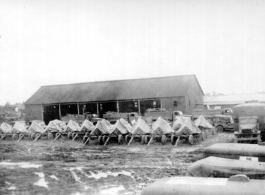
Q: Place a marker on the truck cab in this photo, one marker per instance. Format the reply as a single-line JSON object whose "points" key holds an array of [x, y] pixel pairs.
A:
{"points": [[248, 124], [248, 130]]}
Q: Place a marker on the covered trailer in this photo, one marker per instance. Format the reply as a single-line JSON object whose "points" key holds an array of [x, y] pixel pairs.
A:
{"points": [[5, 130], [36, 130], [119, 131], [161, 130]]}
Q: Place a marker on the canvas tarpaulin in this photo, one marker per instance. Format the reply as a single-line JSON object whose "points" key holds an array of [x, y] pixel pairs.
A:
{"points": [[103, 126], [5, 128], [202, 122], [188, 128], [19, 128], [121, 126], [36, 128], [160, 126], [222, 167], [61, 124], [53, 127], [141, 127], [87, 126], [179, 121], [72, 126]]}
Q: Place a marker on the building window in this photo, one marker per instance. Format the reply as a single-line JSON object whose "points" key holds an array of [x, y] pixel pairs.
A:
{"points": [[175, 103], [189, 102]]}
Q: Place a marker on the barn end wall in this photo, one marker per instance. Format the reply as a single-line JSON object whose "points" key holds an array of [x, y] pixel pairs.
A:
{"points": [[33, 112], [168, 103], [194, 96]]}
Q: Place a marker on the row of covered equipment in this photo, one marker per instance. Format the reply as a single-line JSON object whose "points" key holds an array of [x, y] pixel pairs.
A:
{"points": [[145, 130], [227, 168]]}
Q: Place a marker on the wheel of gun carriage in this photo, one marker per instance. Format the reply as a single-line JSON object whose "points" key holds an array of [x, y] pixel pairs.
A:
{"points": [[146, 139], [73, 134], [191, 139], [126, 139], [15, 136], [120, 139], [104, 138], [69, 135], [100, 140], [164, 139], [50, 136], [172, 138], [32, 136], [204, 135], [142, 139], [38, 135]]}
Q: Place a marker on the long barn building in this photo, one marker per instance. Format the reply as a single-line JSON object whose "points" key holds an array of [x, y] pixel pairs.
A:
{"points": [[137, 95]]}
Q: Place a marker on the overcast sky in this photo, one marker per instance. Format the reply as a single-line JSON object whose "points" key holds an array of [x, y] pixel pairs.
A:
{"points": [[59, 42]]}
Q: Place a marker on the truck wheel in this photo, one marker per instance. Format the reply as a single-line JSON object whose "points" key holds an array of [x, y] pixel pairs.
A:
{"points": [[164, 139], [191, 139], [219, 128]]}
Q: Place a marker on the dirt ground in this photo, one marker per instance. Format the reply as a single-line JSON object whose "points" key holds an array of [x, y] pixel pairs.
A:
{"points": [[66, 167]]}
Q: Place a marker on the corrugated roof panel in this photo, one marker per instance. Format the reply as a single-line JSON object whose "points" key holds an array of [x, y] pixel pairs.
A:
{"points": [[114, 90]]}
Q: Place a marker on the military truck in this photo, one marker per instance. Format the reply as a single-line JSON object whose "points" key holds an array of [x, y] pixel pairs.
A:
{"points": [[223, 122], [204, 110], [214, 116], [160, 112], [112, 117], [251, 109]]}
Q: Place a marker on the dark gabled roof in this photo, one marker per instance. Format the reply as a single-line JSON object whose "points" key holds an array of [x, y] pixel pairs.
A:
{"points": [[114, 90]]}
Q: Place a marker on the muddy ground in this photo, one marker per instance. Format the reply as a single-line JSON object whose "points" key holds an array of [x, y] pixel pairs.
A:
{"points": [[66, 167]]}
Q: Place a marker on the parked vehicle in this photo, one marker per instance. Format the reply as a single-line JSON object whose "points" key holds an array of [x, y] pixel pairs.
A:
{"points": [[248, 129], [165, 114], [223, 122], [206, 112], [113, 117], [251, 109]]}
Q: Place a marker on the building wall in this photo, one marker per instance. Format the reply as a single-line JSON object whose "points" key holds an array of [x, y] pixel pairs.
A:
{"points": [[194, 96], [33, 112], [168, 103]]}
